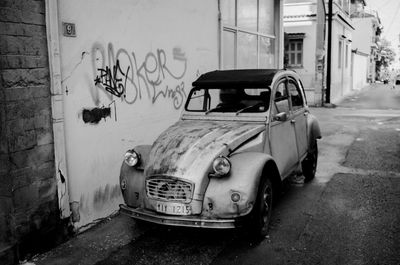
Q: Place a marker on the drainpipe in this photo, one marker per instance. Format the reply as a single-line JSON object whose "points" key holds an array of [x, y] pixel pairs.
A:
{"points": [[329, 59]]}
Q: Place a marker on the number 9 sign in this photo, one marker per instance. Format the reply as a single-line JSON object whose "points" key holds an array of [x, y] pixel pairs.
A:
{"points": [[69, 29]]}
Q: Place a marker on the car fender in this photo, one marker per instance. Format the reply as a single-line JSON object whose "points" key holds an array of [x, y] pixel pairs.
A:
{"points": [[246, 171], [132, 179], [314, 131]]}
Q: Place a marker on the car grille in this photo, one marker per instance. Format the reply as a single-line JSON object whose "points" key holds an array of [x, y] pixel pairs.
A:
{"points": [[169, 189]]}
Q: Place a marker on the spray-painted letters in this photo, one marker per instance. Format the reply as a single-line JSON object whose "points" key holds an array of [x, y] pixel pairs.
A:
{"points": [[124, 76]]}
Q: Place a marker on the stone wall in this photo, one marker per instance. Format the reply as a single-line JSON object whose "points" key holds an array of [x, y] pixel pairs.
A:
{"points": [[28, 192]]}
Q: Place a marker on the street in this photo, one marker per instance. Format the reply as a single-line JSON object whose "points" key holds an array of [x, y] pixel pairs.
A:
{"points": [[349, 214]]}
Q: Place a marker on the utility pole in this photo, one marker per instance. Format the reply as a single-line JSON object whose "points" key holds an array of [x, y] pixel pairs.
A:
{"points": [[329, 59]]}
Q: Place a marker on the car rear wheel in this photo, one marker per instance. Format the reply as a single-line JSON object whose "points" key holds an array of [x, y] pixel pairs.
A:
{"points": [[262, 209], [309, 164]]}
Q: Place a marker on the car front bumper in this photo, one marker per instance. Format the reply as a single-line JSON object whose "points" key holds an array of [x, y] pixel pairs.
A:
{"points": [[187, 221]]}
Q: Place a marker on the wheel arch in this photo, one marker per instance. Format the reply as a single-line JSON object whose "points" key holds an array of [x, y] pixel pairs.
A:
{"points": [[271, 171], [247, 170], [131, 179], [314, 131]]}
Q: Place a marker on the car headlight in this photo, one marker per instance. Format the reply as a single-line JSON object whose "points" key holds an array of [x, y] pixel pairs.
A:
{"points": [[132, 158], [221, 166]]}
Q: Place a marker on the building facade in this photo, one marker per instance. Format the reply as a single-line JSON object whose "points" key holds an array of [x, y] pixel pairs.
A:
{"points": [[365, 45], [304, 27], [84, 81], [341, 45]]}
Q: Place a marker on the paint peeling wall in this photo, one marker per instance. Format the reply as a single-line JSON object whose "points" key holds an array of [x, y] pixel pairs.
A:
{"points": [[125, 78]]}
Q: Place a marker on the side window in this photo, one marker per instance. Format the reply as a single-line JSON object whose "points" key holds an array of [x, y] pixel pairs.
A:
{"points": [[198, 100], [281, 99], [295, 95]]}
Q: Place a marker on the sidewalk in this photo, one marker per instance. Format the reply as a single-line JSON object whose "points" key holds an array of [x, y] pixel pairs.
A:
{"points": [[373, 96], [93, 245]]}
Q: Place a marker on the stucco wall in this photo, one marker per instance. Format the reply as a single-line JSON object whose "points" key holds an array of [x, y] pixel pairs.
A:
{"points": [[307, 72], [308, 17], [125, 76], [360, 63], [362, 35], [340, 77]]}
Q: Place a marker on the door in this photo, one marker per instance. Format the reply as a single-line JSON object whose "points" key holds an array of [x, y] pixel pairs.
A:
{"points": [[299, 116], [282, 135]]}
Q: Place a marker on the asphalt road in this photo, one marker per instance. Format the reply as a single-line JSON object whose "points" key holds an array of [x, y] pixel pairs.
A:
{"points": [[349, 214]]}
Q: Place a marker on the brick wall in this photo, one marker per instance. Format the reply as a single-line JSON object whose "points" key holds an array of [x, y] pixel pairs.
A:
{"points": [[28, 193]]}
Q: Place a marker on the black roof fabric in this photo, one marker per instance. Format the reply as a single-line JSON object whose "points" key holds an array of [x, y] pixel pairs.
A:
{"points": [[236, 78]]}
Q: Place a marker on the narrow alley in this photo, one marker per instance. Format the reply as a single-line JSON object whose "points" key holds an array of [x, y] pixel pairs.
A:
{"points": [[349, 214]]}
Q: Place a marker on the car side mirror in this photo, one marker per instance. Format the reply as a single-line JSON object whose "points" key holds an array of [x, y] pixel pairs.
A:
{"points": [[282, 116]]}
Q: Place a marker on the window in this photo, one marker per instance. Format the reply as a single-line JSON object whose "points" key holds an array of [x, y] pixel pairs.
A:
{"points": [[294, 52], [347, 56], [238, 99], [295, 95], [248, 34], [281, 99]]}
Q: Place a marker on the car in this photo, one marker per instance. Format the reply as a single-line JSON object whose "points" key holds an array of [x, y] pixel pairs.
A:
{"points": [[221, 165]]}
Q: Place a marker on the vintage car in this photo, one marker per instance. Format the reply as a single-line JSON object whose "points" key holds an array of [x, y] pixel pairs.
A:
{"points": [[241, 133]]}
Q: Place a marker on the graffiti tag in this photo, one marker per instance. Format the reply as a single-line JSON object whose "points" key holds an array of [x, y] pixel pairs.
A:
{"points": [[122, 75], [113, 80]]}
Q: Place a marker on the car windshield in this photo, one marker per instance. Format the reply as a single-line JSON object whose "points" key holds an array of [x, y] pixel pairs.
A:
{"points": [[237, 100]]}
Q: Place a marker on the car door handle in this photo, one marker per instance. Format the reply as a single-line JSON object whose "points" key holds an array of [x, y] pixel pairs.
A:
{"points": [[292, 121]]}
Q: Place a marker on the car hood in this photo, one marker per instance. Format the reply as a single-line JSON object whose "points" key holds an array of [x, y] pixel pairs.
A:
{"points": [[188, 148]]}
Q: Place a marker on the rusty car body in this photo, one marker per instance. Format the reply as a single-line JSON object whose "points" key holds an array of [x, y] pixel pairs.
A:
{"points": [[242, 132]]}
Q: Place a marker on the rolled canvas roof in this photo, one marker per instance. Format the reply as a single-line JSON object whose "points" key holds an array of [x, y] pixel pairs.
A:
{"points": [[236, 78]]}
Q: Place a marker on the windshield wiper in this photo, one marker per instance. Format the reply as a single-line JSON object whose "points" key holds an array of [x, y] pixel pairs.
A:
{"points": [[249, 107], [210, 110]]}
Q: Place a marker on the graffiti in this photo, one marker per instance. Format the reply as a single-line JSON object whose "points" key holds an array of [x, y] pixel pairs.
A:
{"points": [[176, 94], [123, 75], [95, 115], [111, 81]]}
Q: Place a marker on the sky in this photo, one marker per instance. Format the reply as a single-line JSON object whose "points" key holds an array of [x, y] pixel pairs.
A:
{"points": [[389, 13]]}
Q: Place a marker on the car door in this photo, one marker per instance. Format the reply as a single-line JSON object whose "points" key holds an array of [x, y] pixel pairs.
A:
{"points": [[298, 116], [282, 138]]}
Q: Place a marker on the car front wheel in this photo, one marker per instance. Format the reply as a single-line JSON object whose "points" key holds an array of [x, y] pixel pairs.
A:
{"points": [[309, 164], [262, 209]]}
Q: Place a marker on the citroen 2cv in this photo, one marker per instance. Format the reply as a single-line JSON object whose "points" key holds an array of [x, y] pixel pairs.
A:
{"points": [[241, 133]]}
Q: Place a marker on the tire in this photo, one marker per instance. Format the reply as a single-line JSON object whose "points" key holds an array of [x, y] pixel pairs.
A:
{"points": [[261, 214], [309, 164]]}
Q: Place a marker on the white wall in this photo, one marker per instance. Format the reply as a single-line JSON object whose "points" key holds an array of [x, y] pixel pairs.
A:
{"points": [[360, 63], [340, 77], [362, 35], [161, 47]]}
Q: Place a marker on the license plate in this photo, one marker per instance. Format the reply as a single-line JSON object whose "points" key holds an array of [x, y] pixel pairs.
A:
{"points": [[174, 208]]}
